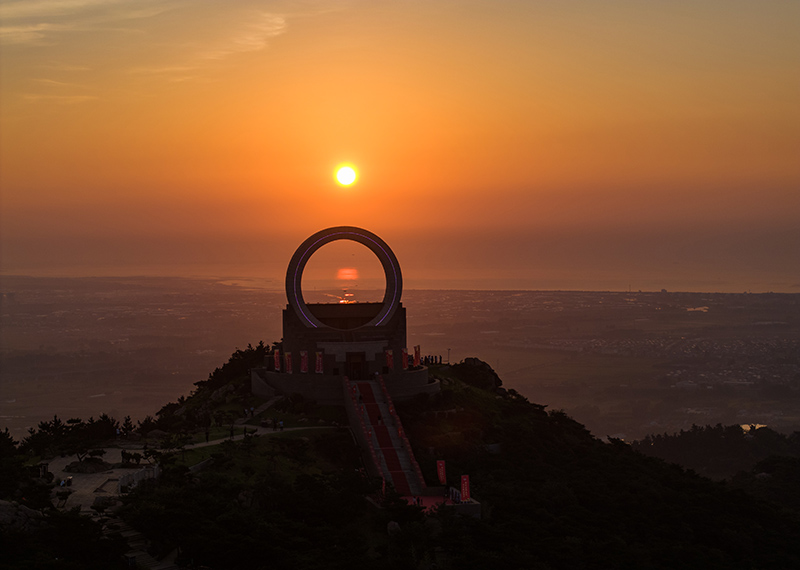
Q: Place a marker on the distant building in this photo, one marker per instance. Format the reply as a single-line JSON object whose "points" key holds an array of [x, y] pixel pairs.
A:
{"points": [[325, 342]]}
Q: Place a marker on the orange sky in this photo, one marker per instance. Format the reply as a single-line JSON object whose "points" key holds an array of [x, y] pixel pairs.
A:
{"points": [[525, 144]]}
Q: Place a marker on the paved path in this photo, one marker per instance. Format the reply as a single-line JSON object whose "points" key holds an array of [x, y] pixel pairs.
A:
{"points": [[86, 487], [262, 408]]}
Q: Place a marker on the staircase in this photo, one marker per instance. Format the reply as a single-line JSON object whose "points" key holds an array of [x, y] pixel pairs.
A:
{"points": [[381, 427]]}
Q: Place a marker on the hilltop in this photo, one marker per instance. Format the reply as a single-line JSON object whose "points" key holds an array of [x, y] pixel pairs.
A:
{"points": [[552, 495]]}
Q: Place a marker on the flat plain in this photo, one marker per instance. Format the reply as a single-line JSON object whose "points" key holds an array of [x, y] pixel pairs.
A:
{"points": [[623, 363]]}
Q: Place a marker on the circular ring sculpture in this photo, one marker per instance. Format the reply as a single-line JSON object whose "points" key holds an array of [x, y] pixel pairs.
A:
{"points": [[294, 274]]}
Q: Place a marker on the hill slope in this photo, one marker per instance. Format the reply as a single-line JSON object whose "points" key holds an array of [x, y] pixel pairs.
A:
{"points": [[553, 496]]}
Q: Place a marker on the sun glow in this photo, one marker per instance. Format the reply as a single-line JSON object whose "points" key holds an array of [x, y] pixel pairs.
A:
{"points": [[346, 175], [347, 274]]}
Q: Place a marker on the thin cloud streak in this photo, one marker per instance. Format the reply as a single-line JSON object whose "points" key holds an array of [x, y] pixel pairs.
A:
{"points": [[60, 99], [249, 37], [47, 9], [253, 37], [53, 23], [65, 67], [54, 83], [38, 23], [30, 34]]}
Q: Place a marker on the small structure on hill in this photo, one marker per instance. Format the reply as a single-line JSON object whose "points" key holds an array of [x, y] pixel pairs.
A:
{"points": [[324, 343]]}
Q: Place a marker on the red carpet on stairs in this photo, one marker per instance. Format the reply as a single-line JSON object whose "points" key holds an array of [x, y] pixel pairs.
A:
{"points": [[366, 392], [392, 461], [368, 398], [374, 413], [399, 479], [400, 483], [382, 433]]}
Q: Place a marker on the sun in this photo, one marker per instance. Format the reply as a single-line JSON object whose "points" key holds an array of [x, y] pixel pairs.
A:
{"points": [[346, 175]]}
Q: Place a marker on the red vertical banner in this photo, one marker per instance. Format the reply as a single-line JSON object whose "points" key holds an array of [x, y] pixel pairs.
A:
{"points": [[304, 361], [440, 471], [416, 355], [404, 361], [318, 367], [288, 358], [465, 487], [389, 359], [277, 356]]}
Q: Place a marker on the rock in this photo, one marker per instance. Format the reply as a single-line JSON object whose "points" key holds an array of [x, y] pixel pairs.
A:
{"points": [[478, 373], [90, 465], [220, 392], [19, 517], [103, 502], [157, 434]]}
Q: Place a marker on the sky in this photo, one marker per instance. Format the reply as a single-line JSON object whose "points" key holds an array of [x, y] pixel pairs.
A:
{"points": [[606, 145]]}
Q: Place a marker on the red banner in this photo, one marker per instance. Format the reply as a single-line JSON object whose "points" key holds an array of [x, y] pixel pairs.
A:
{"points": [[318, 368], [441, 472], [405, 359], [277, 357], [389, 359], [304, 361], [465, 487], [416, 355], [288, 358]]}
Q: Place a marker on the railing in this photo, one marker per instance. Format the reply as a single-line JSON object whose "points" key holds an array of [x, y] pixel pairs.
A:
{"points": [[352, 392], [401, 433]]}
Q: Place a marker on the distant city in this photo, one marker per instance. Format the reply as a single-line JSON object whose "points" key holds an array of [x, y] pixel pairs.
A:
{"points": [[625, 364]]}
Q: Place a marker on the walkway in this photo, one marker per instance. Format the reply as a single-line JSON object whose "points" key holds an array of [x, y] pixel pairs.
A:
{"points": [[262, 408], [87, 487]]}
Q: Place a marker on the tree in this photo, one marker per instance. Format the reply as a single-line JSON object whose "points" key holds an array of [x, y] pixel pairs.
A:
{"points": [[8, 447], [11, 470], [127, 426], [146, 425]]}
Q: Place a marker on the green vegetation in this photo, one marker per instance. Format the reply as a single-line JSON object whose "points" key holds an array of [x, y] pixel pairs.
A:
{"points": [[35, 535], [552, 495], [555, 497], [60, 541], [73, 437], [278, 502], [758, 460], [720, 451]]}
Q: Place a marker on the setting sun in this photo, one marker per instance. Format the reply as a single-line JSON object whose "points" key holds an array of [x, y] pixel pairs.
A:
{"points": [[346, 175]]}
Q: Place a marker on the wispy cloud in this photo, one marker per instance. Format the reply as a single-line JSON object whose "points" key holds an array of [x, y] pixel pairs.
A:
{"points": [[60, 99], [54, 83], [114, 9], [38, 21], [46, 8], [171, 73], [246, 33], [65, 67], [251, 37], [27, 34], [169, 39]]}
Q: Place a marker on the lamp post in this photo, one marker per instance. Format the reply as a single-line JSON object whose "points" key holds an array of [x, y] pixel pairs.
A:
{"points": [[448, 356]]}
